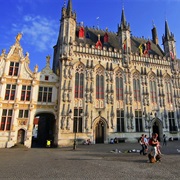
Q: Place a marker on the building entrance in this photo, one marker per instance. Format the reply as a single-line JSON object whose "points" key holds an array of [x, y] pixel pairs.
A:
{"points": [[157, 128], [99, 132], [43, 130], [20, 137]]}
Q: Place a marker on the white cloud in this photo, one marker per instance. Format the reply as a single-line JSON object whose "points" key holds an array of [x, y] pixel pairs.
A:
{"points": [[20, 9], [27, 18], [39, 32]]}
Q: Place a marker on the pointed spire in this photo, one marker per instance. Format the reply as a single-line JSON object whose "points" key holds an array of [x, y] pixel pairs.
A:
{"points": [[167, 31], [154, 34], [167, 36], [124, 25], [69, 7], [68, 12], [123, 18]]}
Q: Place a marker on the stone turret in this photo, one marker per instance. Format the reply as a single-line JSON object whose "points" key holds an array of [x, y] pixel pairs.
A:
{"points": [[63, 48], [154, 35], [124, 34], [169, 43]]}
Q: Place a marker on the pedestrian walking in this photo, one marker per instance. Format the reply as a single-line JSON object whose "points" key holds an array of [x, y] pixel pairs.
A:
{"points": [[141, 142], [164, 140], [145, 144], [154, 143]]}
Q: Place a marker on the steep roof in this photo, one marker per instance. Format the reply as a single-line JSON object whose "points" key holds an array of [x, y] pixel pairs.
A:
{"points": [[91, 38]]}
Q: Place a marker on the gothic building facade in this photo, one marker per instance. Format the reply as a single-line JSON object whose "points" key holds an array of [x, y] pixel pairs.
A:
{"points": [[102, 85]]}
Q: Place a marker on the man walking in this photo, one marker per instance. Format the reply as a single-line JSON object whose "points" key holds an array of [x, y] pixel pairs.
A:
{"points": [[141, 141]]}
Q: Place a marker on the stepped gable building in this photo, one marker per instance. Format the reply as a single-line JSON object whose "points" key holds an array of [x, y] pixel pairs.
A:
{"points": [[25, 95], [102, 85]]}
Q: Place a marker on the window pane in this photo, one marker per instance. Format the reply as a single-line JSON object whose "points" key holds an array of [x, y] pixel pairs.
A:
{"points": [[3, 120], [26, 114], [8, 124], [4, 112], [20, 113]]}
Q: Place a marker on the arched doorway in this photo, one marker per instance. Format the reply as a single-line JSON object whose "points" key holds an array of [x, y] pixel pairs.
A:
{"points": [[99, 132], [157, 128], [20, 136], [43, 130]]}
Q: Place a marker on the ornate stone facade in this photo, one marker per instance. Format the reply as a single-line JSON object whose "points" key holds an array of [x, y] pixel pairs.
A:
{"points": [[120, 85], [103, 85]]}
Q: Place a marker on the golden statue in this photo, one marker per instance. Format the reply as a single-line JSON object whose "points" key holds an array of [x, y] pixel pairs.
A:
{"points": [[18, 37]]}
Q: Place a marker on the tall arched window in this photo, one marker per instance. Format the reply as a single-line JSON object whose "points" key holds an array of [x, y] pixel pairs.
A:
{"points": [[120, 121], [172, 124], [79, 82], [153, 89], [138, 121], [77, 123], [99, 88], [168, 91], [119, 86], [100, 83], [136, 87]]}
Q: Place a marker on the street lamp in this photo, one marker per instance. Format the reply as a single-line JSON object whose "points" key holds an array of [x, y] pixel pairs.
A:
{"points": [[75, 131], [74, 144]]}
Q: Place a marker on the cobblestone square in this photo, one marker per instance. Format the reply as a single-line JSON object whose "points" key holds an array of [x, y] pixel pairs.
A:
{"points": [[88, 162]]}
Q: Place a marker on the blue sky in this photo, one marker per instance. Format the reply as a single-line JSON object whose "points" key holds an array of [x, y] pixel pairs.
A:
{"points": [[38, 20]]}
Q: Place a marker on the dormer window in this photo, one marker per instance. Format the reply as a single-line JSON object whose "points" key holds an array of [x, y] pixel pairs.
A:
{"points": [[81, 32], [99, 44], [46, 78], [13, 68], [87, 35], [106, 38]]}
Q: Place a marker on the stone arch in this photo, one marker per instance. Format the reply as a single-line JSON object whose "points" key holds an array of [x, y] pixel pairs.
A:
{"points": [[103, 119], [166, 76], [118, 71], [78, 63], [79, 67], [157, 127], [99, 66], [43, 129], [21, 136], [100, 126], [151, 74], [135, 72]]}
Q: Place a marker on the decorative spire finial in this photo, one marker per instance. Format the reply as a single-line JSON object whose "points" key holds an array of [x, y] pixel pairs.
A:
{"points": [[97, 22], [48, 60], [64, 3], [167, 31], [36, 68], [99, 37], [82, 23], [18, 37]]}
